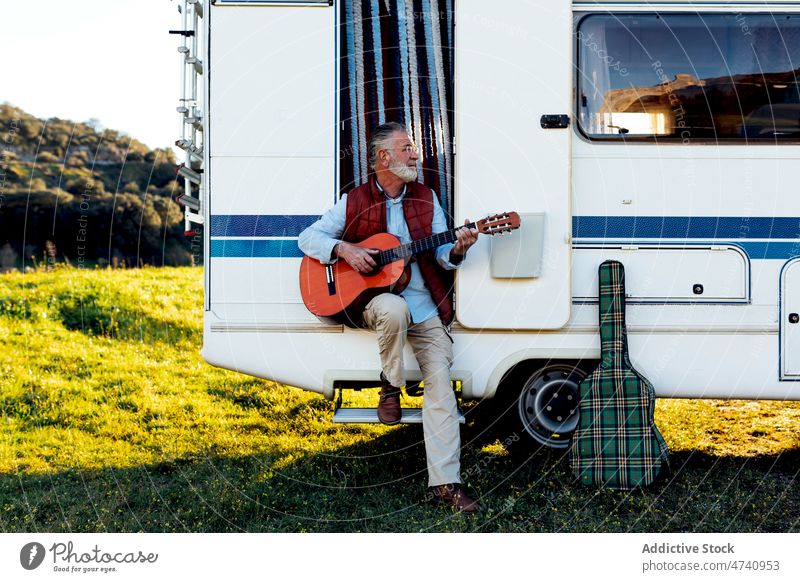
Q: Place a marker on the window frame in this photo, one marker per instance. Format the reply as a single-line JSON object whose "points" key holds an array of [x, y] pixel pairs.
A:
{"points": [[677, 140]]}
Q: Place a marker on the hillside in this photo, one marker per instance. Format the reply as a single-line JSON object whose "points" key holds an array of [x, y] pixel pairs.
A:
{"points": [[75, 192]]}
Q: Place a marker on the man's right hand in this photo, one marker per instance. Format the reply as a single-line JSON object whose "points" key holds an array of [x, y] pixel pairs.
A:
{"points": [[359, 258]]}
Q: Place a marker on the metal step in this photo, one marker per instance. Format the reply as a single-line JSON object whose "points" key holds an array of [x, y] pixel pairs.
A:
{"points": [[196, 63], [190, 174], [196, 218], [370, 416], [190, 202], [198, 7]]}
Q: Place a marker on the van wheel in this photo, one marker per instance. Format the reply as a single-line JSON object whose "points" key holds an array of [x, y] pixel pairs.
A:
{"points": [[546, 411]]}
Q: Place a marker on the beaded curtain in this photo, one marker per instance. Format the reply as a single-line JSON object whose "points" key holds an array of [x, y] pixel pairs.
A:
{"points": [[397, 65]]}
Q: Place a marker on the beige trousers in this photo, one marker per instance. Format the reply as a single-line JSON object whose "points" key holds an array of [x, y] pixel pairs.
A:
{"points": [[389, 317]]}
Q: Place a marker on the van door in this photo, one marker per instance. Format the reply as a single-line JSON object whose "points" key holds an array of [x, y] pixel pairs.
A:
{"points": [[790, 320], [272, 106], [513, 108]]}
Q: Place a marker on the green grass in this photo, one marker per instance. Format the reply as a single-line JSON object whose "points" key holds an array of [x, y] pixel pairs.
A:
{"points": [[112, 422]]}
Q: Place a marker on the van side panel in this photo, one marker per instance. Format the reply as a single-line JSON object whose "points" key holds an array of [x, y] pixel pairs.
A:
{"points": [[272, 170]]}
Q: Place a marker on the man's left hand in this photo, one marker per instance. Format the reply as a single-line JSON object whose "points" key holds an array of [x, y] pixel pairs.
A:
{"points": [[465, 238]]}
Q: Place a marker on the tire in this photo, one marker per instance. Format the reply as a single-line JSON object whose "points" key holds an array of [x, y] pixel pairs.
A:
{"points": [[539, 405]]}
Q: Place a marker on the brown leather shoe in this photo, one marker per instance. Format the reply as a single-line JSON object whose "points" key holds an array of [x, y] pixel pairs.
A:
{"points": [[389, 403], [452, 495]]}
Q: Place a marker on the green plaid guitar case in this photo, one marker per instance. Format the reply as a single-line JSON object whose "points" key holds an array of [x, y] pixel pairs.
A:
{"points": [[617, 444]]}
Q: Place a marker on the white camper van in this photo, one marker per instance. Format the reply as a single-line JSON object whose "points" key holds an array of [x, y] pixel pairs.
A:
{"points": [[665, 135]]}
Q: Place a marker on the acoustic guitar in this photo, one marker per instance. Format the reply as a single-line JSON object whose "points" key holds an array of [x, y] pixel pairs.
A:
{"points": [[337, 293]]}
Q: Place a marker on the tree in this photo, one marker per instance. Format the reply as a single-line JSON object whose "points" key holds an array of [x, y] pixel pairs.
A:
{"points": [[131, 187], [47, 158], [37, 185], [94, 124], [30, 129], [78, 159], [85, 185], [163, 156]]}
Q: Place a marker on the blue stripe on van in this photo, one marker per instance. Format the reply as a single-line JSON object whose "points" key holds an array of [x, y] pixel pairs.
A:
{"points": [[705, 227], [260, 224], [283, 249], [770, 250], [288, 249], [734, 230]]}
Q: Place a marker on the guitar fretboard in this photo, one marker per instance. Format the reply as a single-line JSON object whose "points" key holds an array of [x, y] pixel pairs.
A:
{"points": [[419, 246]]}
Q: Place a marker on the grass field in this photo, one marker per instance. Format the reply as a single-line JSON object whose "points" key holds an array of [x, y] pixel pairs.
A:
{"points": [[112, 423]]}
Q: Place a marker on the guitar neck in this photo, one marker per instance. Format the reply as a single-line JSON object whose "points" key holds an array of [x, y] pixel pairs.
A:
{"points": [[406, 251]]}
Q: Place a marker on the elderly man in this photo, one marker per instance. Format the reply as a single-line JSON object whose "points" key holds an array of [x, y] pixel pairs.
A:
{"points": [[393, 201]]}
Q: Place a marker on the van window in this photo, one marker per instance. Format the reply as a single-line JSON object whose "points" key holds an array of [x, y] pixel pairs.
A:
{"points": [[689, 77]]}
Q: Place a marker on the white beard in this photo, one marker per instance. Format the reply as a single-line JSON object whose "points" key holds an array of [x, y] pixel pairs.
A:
{"points": [[405, 173]]}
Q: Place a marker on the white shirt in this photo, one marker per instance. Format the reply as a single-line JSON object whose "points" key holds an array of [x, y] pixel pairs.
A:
{"points": [[318, 240]]}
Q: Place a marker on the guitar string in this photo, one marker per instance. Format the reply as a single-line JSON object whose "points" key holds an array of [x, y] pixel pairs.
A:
{"points": [[435, 240], [418, 246]]}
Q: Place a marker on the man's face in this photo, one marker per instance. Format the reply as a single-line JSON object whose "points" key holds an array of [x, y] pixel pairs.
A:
{"points": [[401, 158]]}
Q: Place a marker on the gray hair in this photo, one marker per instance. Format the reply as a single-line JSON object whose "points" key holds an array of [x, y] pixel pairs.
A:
{"points": [[381, 139]]}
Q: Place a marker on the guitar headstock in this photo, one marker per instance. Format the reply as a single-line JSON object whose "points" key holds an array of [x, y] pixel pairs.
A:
{"points": [[498, 223]]}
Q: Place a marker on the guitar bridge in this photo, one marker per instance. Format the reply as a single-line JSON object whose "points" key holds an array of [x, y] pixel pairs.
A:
{"points": [[329, 275]]}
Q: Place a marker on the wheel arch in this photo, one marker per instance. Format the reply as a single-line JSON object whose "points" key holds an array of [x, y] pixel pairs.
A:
{"points": [[531, 357]]}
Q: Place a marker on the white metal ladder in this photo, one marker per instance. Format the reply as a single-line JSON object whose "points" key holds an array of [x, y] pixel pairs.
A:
{"points": [[190, 110]]}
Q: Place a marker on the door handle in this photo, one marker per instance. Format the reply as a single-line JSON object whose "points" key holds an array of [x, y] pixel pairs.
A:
{"points": [[554, 121]]}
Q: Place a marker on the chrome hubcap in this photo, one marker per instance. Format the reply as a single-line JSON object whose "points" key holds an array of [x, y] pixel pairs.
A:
{"points": [[548, 405]]}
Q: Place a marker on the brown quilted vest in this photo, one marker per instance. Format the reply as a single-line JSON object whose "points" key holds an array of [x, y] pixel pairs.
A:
{"points": [[366, 216]]}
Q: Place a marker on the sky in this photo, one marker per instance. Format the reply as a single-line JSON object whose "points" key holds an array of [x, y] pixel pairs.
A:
{"points": [[107, 59]]}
